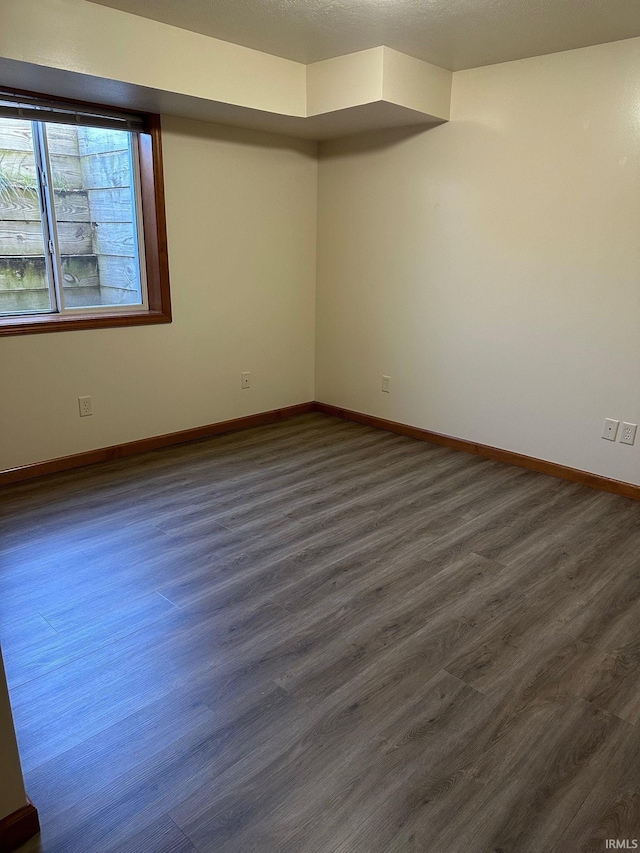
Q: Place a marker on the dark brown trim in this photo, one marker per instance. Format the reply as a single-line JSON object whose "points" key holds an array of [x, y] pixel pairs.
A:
{"points": [[57, 323], [18, 827], [132, 448], [594, 481], [156, 254], [155, 219]]}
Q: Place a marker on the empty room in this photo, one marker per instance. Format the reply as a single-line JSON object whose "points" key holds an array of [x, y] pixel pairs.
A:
{"points": [[319, 393]]}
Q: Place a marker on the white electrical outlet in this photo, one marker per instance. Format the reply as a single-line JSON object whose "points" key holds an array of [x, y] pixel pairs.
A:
{"points": [[245, 381], [386, 384], [628, 435], [84, 404]]}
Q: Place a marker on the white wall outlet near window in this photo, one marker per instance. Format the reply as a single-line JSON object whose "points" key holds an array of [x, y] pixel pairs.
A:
{"points": [[386, 384], [84, 404], [245, 380], [628, 435], [610, 429]]}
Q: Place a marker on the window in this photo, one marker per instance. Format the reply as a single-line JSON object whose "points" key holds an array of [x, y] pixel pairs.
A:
{"points": [[82, 233]]}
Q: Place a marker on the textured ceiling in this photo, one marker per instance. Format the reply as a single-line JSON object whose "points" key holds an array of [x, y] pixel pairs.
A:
{"points": [[454, 34]]}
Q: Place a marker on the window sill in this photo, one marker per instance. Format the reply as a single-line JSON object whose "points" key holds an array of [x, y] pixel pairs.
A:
{"points": [[58, 323]]}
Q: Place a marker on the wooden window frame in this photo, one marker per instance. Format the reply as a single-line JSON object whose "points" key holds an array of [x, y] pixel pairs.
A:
{"points": [[154, 226]]}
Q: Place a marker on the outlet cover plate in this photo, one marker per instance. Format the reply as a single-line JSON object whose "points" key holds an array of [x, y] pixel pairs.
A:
{"points": [[628, 433], [84, 404], [610, 429]]}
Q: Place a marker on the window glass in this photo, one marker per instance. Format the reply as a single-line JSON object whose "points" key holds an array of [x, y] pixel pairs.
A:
{"points": [[94, 190], [24, 261], [70, 224]]}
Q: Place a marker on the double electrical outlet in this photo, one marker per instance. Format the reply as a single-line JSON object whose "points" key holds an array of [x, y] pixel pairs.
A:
{"points": [[627, 435], [85, 407]]}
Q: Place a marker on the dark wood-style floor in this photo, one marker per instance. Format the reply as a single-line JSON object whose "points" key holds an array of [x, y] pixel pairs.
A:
{"points": [[319, 637]]}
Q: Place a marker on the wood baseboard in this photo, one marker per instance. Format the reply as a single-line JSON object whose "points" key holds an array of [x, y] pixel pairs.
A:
{"points": [[594, 481], [18, 827], [133, 448]]}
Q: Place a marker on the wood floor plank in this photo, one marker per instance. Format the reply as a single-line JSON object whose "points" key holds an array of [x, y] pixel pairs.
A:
{"points": [[161, 836], [251, 810], [611, 809]]}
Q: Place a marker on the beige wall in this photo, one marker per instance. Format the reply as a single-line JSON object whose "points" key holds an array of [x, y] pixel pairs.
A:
{"points": [[12, 793], [110, 45], [241, 210], [491, 266], [343, 82]]}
